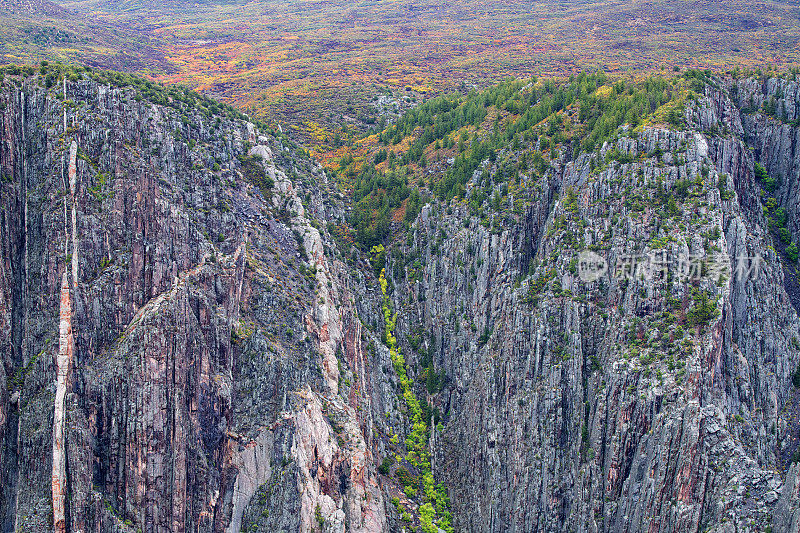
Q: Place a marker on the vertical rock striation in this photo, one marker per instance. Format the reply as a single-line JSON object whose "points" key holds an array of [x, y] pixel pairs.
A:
{"points": [[174, 322], [186, 347], [613, 403]]}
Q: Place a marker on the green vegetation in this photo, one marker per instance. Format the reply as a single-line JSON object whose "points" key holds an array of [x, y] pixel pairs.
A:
{"points": [[517, 128], [777, 217], [704, 310], [386, 465], [253, 171], [436, 502], [768, 183], [377, 258], [376, 195], [792, 252]]}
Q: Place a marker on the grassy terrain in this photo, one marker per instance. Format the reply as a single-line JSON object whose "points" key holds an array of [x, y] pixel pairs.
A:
{"points": [[35, 30], [318, 65]]}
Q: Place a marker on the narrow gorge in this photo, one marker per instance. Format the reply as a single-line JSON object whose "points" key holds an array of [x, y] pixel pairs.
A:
{"points": [[603, 341]]}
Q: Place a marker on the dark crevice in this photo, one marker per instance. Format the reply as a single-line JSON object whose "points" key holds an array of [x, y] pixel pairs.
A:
{"points": [[13, 225]]}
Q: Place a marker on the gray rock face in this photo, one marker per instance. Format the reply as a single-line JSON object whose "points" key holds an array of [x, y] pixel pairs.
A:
{"points": [[602, 404], [186, 349], [204, 324]]}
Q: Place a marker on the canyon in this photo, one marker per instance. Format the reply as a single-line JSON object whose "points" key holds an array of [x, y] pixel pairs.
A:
{"points": [[188, 346]]}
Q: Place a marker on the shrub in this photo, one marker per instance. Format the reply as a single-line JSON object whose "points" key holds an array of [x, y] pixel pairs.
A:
{"points": [[780, 217], [386, 465], [682, 188], [770, 184], [724, 192], [767, 182], [253, 171], [704, 309], [484, 338], [792, 252], [377, 258], [760, 172], [405, 478], [426, 515]]}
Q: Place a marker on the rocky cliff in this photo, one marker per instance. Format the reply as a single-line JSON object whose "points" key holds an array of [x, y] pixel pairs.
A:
{"points": [[188, 344], [176, 326], [618, 336]]}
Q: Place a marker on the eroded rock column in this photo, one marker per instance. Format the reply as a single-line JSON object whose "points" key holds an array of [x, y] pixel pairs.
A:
{"points": [[66, 347]]}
